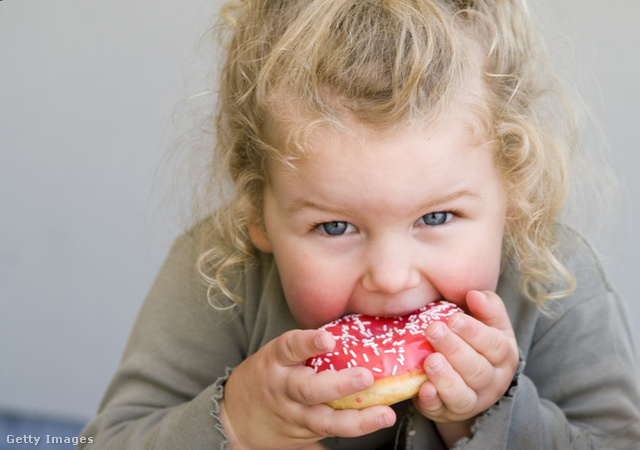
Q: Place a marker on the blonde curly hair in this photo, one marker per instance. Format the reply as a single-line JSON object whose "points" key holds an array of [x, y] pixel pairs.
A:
{"points": [[389, 63]]}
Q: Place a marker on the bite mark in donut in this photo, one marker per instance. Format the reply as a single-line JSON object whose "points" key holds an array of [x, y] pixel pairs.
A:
{"points": [[392, 348]]}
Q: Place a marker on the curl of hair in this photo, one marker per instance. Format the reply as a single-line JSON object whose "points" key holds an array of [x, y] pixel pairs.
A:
{"points": [[388, 63]]}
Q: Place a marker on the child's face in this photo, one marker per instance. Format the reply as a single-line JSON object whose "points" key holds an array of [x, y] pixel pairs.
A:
{"points": [[383, 226]]}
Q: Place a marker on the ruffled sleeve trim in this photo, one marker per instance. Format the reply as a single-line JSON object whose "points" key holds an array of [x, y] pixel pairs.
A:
{"points": [[502, 408], [217, 396]]}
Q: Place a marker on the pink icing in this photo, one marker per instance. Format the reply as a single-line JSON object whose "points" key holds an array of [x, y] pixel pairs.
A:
{"points": [[385, 345]]}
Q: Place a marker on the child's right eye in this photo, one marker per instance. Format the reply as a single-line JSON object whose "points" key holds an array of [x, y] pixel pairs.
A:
{"points": [[335, 228]]}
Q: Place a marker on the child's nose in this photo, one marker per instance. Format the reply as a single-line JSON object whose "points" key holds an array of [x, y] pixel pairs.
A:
{"points": [[390, 268]]}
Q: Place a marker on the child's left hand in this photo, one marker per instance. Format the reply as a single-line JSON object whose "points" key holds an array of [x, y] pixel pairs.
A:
{"points": [[475, 361]]}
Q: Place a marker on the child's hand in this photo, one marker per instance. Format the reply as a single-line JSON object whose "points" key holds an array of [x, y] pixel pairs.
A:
{"points": [[475, 361], [272, 400]]}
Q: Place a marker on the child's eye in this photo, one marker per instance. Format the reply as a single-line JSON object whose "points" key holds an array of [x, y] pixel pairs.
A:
{"points": [[436, 218], [335, 228]]}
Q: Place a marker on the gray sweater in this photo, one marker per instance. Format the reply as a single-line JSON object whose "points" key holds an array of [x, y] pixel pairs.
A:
{"points": [[577, 385]]}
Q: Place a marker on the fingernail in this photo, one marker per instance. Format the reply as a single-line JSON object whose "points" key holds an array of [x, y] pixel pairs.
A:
{"points": [[324, 341], [384, 421], [436, 332], [361, 382], [456, 322], [430, 395], [437, 366]]}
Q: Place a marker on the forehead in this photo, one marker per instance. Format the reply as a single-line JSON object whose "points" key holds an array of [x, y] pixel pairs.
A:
{"points": [[295, 127], [295, 139], [403, 154]]}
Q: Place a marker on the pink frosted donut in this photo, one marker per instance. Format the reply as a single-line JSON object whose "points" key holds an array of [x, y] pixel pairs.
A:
{"points": [[392, 348]]}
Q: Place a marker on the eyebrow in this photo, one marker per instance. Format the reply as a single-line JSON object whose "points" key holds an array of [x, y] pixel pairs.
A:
{"points": [[447, 198], [301, 204]]}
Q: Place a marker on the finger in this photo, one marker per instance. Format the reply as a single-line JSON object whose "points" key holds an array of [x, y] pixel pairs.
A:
{"points": [[325, 421], [453, 391], [308, 388], [296, 346], [428, 402], [495, 345], [488, 308], [473, 367]]}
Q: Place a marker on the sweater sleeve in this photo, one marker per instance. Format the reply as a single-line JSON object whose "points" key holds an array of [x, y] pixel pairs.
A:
{"points": [[577, 385], [579, 388], [165, 392]]}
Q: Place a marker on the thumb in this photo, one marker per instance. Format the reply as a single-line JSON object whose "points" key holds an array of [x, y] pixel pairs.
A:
{"points": [[488, 308], [296, 346]]}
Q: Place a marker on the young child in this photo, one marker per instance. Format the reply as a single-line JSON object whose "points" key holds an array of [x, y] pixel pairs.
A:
{"points": [[382, 154]]}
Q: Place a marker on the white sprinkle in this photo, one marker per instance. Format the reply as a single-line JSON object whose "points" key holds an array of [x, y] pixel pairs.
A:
{"points": [[375, 369], [366, 358], [354, 363], [395, 368], [353, 353], [327, 360], [331, 367]]}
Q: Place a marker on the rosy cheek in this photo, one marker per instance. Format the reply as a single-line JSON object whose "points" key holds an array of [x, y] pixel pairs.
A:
{"points": [[313, 312], [314, 302], [472, 277]]}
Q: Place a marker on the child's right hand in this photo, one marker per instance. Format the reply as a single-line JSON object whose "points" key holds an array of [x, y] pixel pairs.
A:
{"points": [[271, 400]]}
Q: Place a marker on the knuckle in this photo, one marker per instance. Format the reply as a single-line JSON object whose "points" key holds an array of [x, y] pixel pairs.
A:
{"points": [[466, 405], [448, 388], [367, 426], [498, 347], [342, 391], [305, 394], [287, 347], [472, 331], [480, 376], [343, 384], [455, 348], [434, 410], [324, 427]]}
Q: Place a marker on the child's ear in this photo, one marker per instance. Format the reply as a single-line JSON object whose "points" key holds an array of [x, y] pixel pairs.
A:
{"points": [[260, 239]]}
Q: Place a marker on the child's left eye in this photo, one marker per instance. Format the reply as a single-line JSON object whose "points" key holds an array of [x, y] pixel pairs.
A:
{"points": [[335, 228], [436, 218]]}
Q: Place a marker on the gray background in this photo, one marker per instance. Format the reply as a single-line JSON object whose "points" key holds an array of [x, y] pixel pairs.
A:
{"points": [[87, 94]]}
